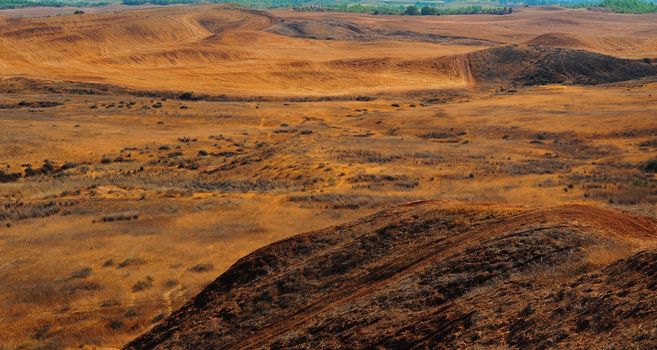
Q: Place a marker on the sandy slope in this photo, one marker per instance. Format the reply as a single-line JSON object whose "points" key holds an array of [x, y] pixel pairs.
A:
{"points": [[219, 50], [209, 49], [608, 33]]}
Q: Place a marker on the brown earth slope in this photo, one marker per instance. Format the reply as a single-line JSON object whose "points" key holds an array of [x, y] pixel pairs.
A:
{"points": [[539, 65], [437, 275]]}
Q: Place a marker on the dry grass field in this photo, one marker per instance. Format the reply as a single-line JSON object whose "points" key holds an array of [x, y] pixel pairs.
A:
{"points": [[143, 152]]}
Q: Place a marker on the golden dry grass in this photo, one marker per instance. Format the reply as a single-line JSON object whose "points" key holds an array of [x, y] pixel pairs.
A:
{"points": [[217, 50], [94, 254]]}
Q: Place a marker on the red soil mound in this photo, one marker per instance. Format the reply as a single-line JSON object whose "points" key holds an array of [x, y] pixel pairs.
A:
{"points": [[433, 275]]}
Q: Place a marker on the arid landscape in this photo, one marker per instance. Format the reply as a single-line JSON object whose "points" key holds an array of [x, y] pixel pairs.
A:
{"points": [[467, 181]]}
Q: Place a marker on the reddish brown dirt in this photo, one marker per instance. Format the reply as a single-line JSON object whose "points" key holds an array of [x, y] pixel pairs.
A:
{"points": [[416, 275]]}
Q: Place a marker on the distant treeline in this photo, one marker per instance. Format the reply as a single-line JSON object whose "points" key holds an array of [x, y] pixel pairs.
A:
{"points": [[398, 7], [347, 6], [620, 6], [158, 2], [353, 8], [411, 10], [12, 4], [246, 3]]}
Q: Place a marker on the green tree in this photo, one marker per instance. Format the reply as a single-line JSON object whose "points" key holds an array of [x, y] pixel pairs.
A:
{"points": [[411, 10], [426, 11]]}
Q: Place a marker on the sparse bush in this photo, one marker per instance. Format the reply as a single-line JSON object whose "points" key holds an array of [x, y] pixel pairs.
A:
{"points": [[115, 324], [401, 182], [649, 143], [9, 177], [199, 268], [131, 312], [284, 130], [170, 283], [42, 331], [336, 201], [366, 156], [159, 317], [188, 96], [434, 135], [143, 284], [130, 262], [82, 273], [81, 286], [119, 217], [109, 303], [24, 211], [68, 165], [650, 166], [46, 169]]}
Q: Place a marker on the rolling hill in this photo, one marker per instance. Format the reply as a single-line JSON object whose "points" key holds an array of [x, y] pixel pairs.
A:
{"points": [[437, 275], [225, 50]]}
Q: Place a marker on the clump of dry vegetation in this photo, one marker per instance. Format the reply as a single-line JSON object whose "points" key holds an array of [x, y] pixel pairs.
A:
{"points": [[203, 267], [143, 284], [118, 217]]}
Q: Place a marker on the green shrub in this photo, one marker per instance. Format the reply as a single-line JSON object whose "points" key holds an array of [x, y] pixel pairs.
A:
{"points": [[411, 10]]}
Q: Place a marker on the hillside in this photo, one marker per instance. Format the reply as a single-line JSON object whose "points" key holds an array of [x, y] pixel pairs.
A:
{"points": [[435, 275], [219, 49], [540, 65]]}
